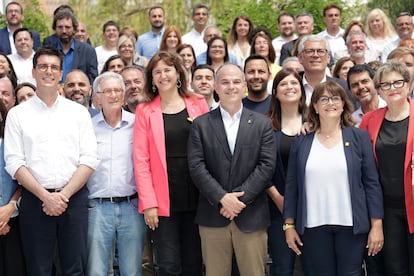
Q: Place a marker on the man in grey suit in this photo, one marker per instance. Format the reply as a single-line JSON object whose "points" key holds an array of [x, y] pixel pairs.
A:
{"points": [[231, 155]]}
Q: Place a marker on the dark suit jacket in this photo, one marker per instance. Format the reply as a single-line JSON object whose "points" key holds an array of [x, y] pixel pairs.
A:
{"points": [[85, 60], [215, 171], [5, 43], [52, 40], [365, 188], [286, 50]]}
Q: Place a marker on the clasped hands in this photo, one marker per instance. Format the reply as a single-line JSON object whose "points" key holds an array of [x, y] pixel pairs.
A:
{"points": [[231, 205], [55, 204]]}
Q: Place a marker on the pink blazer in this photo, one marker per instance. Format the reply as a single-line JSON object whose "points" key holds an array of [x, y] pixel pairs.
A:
{"points": [[372, 122], [150, 163]]}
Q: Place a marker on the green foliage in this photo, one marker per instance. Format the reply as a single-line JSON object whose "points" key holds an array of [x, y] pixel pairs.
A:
{"points": [[392, 8], [35, 18]]}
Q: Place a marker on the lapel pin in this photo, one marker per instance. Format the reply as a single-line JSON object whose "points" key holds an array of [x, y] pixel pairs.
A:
{"points": [[347, 144], [249, 121]]}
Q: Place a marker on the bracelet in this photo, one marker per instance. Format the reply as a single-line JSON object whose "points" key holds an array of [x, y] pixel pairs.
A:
{"points": [[287, 226]]}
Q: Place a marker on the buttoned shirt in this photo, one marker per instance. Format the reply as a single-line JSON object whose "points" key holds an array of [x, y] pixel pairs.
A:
{"points": [[278, 43], [51, 142], [11, 41], [23, 68], [309, 89], [231, 125], [149, 43], [195, 39], [336, 42], [67, 58], [114, 176]]}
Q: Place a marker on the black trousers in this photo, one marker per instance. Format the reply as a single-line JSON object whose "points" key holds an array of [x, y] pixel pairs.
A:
{"points": [[11, 255]]}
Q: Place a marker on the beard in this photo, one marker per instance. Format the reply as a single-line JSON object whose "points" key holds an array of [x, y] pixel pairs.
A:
{"points": [[257, 92], [66, 40]]}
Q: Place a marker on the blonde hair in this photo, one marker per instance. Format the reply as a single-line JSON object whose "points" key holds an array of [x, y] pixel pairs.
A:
{"points": [[388, 32]]}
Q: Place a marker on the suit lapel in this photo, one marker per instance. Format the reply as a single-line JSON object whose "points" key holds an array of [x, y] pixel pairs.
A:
{"points": [[75, 61], [217, 127], [157, 125], [349, 145], [246, 123]]}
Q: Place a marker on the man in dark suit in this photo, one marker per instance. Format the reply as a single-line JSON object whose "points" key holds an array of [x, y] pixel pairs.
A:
{"points": [[231, 155], [77, 55], [14, 18]]}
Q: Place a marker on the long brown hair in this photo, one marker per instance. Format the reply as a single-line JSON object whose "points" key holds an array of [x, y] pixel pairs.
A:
{"points": [[171, 60], [275, 111]]}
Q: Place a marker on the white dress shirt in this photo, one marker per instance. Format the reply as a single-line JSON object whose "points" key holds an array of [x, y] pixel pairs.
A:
{"points": [[114, 176], [231, 125], [195, 39], [23, 68], [50, 142]]}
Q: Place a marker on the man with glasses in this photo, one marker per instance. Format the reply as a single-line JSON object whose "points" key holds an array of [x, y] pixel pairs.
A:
{"points": [[404, 27], [134, 80], [14, 18], [314, 55], [51, 150], [113, 199]]}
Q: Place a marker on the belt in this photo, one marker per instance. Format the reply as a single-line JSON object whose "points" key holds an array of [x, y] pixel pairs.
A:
{"points": [[116, 199], [54, 190]]}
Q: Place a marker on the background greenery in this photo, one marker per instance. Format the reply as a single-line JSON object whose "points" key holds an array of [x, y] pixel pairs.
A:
{"points": [[264, 13]]}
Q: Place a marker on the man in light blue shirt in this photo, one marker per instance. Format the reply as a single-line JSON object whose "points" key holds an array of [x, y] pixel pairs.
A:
{"points": [[149, 43], [113, 200]]}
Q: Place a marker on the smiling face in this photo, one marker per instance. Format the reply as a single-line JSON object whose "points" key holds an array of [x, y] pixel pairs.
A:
{"points": [[77, 88], [304, 25], [376, 25], [165, 77], [111, 96], [286, 26], [404, 26], [261, 46], [47, 72], [24, 93], [6, 93], [156, 18], [217, 50], [126, 49], [257, 76], [172, 40], [242, 28], [330, 110], [203, 82], [188, 58], [357, 45], [111, 34], [23, 43], [314, 62], [14, 15], [230, 85], [288, 90], [332, 18], [393, 95], [4, 65], [200, 18], [362, 87], [343, 72]]}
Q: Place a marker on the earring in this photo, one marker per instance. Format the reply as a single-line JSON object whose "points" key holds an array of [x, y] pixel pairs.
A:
{"points": [[154, 89], [179, 84]]}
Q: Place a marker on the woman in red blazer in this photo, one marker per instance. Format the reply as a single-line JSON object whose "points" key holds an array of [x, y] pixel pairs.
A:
{"points": [[167, 196], [391, 130]]}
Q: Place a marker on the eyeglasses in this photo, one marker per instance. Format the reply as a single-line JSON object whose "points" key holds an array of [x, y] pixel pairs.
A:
{"points": [[13, 11], [324, 100], [109, 91], [45, 67], [387, 85], [311, 52]]}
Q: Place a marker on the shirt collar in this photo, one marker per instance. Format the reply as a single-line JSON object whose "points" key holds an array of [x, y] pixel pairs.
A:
{"points": [[226, 115]]}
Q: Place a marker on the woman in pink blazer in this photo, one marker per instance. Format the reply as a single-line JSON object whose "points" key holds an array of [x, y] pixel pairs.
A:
{"points": [[167, 196], [391, 130]]}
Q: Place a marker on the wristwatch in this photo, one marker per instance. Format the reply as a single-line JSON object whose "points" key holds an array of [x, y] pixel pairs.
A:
{"points": [[287, 226], [14, 202]]}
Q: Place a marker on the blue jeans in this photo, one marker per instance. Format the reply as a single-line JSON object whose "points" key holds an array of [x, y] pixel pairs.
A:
{"points": [[120, 222]]}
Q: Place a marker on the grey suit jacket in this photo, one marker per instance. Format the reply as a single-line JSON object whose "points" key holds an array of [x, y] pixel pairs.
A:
{"points": [[215, 171]]}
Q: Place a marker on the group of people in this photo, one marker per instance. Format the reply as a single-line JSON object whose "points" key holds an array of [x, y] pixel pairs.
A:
{"points": [[215, 154]]}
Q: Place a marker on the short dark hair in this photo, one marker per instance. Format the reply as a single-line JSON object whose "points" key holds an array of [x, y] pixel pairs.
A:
{"points": [[256, 57], [21, 30], [154, 8], [331, 6], [284, 14], [15, 3], [200, 67], [134, 67], [63, 7], [48, 51], [360, 68], [110, 23], [200, 6], [65, 14]]}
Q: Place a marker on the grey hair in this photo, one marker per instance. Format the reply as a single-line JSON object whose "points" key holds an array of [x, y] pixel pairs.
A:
{"points": [[107, 75], [312, 38], [216, 76], [348, 37]]}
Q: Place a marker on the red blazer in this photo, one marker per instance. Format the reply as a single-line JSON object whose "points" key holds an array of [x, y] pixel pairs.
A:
{"points": [[372, 122], [150, 163]]}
